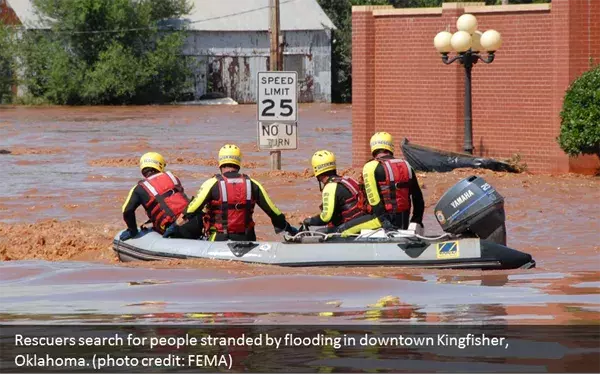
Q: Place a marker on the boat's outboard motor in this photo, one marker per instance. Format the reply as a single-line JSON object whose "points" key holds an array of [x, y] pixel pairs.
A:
{"points": [[473, 207]]}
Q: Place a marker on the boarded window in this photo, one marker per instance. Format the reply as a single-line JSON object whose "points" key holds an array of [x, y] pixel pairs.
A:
{"points": [[294, 63]]}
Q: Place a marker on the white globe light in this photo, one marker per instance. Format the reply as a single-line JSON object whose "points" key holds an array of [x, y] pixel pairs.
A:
{"points": [[467, 22], [461, 41], [442, 42], [476, 44], [491, 40]]}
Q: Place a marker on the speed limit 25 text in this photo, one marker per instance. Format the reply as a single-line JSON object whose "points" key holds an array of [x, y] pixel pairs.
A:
{"points": [[284, 104]]}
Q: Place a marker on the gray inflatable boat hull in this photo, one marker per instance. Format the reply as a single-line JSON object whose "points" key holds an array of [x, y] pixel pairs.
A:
{"points": [[462, 253]]}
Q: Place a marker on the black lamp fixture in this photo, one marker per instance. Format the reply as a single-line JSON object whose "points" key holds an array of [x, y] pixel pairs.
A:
{"points": [[467, 43]]}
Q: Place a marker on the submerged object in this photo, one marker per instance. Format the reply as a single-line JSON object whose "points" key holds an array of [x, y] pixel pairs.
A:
{"points": [[210, 98], [223, 101], [471, 214], [423, 158]]}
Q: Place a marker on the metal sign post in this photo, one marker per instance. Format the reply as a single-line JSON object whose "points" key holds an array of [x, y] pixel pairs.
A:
{"points": [[277, 111]]}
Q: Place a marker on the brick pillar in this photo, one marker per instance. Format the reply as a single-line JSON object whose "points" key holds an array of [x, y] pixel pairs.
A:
{"points": [[363, 87], [560, 51]]}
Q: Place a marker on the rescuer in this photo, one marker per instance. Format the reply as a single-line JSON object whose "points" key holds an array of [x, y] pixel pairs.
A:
{"points": [[390, 185], [230, 198], [344, 207], [162, 196]]}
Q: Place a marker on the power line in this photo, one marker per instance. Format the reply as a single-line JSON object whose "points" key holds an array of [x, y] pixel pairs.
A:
{"points": [[114, 31]]}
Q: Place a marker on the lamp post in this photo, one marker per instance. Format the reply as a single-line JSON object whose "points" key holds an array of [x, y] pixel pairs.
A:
{"points": [[467, 42]]}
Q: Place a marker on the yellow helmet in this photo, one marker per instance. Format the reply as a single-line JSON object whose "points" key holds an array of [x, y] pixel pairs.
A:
{"points": [[230, 154], [382, 140], [323, 161], [153, 160]]}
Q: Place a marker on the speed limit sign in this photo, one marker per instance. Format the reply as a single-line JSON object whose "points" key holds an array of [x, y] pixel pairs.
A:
{"points": [[277, 96]]}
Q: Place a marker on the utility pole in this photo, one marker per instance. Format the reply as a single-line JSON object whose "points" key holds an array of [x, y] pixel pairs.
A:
{"points": [[275, 64]]}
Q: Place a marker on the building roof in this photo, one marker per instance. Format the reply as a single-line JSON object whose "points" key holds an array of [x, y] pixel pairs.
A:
{"points": [[223, 15], [26, 13], [253, 15]]}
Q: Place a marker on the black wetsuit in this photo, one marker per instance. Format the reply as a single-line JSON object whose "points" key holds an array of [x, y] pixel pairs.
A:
{"points": [[139, 196], [334, 196]]}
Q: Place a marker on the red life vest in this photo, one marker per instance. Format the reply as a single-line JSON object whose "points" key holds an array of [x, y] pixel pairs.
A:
{"points": [[167, 199], [355, 205], [232, 213], [395, 188]]}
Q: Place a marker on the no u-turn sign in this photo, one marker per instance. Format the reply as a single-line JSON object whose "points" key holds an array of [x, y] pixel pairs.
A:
{"points": [[276, 136]]}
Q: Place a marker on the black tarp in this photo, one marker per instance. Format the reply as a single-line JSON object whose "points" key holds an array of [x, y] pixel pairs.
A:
{"points": [[423, 158]]}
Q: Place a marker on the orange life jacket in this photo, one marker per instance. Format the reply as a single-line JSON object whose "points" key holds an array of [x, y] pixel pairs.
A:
{"points": [[354, 206], [395, 188], [232, 213], [167, 199]]}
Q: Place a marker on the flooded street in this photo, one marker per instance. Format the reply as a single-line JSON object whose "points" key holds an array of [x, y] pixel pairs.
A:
{"points": [[67, 172]]}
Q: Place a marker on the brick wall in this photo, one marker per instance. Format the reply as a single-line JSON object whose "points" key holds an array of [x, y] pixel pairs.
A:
{"points": [[400, 85], [594, 37]]}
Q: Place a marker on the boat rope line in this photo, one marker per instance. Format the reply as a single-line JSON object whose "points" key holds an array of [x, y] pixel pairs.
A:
{"points": [[389, 234]]}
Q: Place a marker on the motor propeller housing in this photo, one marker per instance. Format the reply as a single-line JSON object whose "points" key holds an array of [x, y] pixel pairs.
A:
{"points": [[473, 207]]}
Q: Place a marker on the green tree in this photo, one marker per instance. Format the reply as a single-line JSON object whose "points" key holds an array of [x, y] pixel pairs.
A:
{"points": [[340, 13], [106, 52], [580, 115], [6, 68]]}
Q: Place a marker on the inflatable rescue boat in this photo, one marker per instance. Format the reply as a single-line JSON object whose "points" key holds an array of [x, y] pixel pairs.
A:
{"points": [[471, 215]]}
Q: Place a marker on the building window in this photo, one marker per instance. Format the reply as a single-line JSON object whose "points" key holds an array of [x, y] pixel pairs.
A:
{"points": [[294, 63]]}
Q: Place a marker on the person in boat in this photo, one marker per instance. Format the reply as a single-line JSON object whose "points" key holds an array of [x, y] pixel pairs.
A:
{"points": [[162, 196], [343, 207], [390, 184], [229, 199]]}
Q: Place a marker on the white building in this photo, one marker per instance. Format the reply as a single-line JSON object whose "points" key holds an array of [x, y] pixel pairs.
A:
{"points": [[230, 41]]}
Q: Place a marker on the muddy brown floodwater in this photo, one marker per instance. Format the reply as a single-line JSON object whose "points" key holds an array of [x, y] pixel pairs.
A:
{"points": [[66, 172]]}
